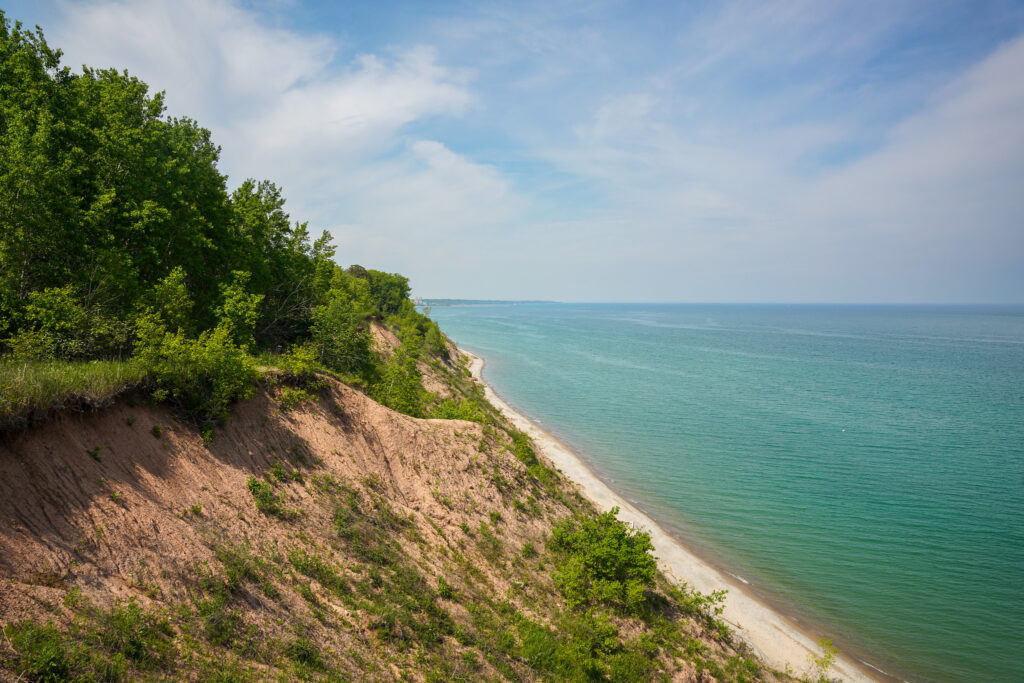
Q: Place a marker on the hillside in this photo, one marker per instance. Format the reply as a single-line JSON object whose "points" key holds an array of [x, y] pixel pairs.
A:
{"points": [[326, 539]]}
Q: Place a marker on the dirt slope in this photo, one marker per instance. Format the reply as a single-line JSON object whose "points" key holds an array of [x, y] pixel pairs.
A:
{"points": [[335, 540]]}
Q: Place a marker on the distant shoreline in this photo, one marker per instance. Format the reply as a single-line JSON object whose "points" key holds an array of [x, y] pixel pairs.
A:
{"points": [[775, 638]]}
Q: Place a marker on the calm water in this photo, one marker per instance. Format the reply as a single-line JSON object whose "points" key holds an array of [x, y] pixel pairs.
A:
{"points": [[862, 467]]}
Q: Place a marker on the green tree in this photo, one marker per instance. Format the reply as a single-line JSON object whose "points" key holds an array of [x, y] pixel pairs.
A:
{"points": [[387, 291], [292, 273], [401, 386], [341, 335], [239, 310]]}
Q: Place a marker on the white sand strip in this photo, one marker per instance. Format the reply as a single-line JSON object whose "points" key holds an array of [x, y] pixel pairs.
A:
{"points": [[776, 639]]}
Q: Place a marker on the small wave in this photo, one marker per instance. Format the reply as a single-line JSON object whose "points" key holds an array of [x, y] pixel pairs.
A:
{"points": [[872, 666], [738, 578]]}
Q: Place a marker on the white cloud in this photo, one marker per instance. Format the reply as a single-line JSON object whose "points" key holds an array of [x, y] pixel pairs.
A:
{"points": [[946, 185], [279, 103]]}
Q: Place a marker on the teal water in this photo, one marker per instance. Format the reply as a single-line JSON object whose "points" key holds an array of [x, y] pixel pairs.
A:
{"points": [[861, 467]]}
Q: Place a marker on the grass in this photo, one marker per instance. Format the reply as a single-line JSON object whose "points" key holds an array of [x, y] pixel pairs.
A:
{"points": [[39, 386], [267, 500]]}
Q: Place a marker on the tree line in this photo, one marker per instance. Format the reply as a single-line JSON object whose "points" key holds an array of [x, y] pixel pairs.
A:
{"points": [[120, 239]]}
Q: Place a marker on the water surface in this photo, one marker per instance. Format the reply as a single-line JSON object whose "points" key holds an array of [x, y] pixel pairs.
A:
{"points": [[862, 467]]}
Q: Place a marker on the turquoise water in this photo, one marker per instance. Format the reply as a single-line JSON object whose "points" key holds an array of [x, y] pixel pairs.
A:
{"points": [[861, 467]]}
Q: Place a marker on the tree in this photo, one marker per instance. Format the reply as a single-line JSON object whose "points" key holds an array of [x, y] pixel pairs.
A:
{"points": [[388, 291]]}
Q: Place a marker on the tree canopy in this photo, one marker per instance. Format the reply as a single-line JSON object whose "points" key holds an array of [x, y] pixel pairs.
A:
{"points": [[119, 238]]}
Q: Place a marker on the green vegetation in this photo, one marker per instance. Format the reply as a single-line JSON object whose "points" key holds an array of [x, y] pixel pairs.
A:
{"points": [[823, 663], [603, 562], [106, 645], [267, 499], [126, 261], [39, 386]]}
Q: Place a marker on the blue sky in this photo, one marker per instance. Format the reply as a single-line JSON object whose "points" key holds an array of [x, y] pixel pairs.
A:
{"points": [[609, 151]]}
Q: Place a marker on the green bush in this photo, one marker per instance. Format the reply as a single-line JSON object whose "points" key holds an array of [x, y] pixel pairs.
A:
{"points": [[56, 325], [293, 398], [239, 310], [603, 561], [523, 450], [464, 409], [143, 637], [301, 362], [400, 386], [341, 335], [267, 500], [202, 375]]}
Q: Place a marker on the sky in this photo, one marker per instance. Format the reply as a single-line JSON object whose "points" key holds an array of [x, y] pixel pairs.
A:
{"points": [[773, 151]]}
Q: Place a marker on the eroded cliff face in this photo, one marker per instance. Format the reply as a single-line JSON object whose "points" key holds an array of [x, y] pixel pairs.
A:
{"points": [[333, 538]]}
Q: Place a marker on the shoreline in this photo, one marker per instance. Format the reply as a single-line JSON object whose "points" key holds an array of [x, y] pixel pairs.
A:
{"points": [[775, 638]]}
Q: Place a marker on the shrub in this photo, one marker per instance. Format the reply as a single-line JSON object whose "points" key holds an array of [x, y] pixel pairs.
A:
{"points": [[823, 662], [466, 409], [292, 398], [57, 325], [444, 589], [369, 530], [340, 335], [316, 567], [603, 561], [142, 637], [239, 310], [401, 387], [303, 651], [523, 450], [301, 363], [221, 622], [203, 375]]}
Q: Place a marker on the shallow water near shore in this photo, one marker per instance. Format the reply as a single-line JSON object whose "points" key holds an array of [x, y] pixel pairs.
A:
{"points": [[860, 466]]}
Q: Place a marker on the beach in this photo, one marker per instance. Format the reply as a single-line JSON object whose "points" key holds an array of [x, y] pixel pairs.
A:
{"points": [[780, 642]]}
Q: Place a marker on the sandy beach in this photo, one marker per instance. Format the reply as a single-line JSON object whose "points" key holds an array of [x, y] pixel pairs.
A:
{"points": [[776, 639]]}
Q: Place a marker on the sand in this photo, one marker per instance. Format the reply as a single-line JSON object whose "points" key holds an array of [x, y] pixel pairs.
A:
{"points": [[775, 638]]}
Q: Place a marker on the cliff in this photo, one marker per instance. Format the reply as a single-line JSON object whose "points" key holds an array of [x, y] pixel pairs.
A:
{"points": [[324, 538]]}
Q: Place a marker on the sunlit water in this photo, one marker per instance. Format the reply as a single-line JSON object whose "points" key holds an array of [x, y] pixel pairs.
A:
{"points": [[861, 467]]}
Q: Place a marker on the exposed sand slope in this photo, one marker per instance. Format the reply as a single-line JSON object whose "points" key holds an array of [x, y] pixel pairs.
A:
{"points": [[129, 503], [776, 639], [99, 502]]}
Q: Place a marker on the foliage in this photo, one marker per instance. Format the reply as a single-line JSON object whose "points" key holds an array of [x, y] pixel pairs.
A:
{"points": [[823, 663], [267, 500], [109, 645], [400, 386], [463, 409], [119, 238], [239, 310], [42, 651], [523, 450], [202, 375], [56, 325], [293, 398], [368, 530], [340, 334], [602, 561], [387, 291]]}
